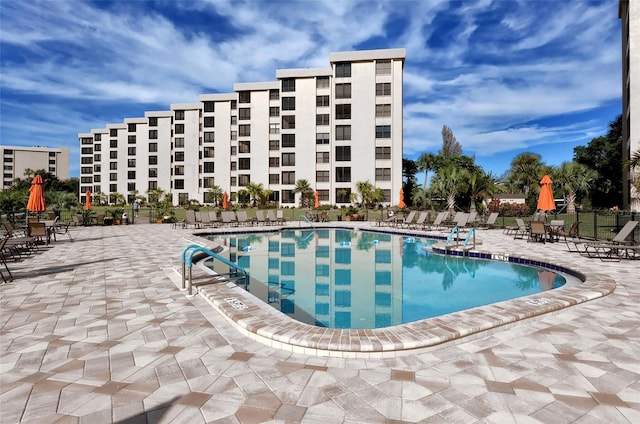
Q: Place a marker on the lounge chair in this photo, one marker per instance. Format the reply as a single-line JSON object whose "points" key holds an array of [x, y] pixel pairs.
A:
{"points": [[408, 220], [437, 223], [213, 218], [572, 237], [520, 230], [615, 249], [39, 232], [272, 218], [491, 221], [205, 221], [229, 218], [421, 221], [190, 219], [17, 243], [260, 218], [243, 219]]}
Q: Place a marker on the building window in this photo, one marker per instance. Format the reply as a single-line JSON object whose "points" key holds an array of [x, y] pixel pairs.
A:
{"points": [[234, 104], [288, 196], [96, 148], [274, 111], [234, 135], [83, 160], [288, 177], [323, 195], [343, 174], [244, 113], [113, 155], [131, 127], [86, 180], [234, 150], [274, 94], [383, 131], [322, 157], [343, 132], [209, 106], [178, 170], [288, 103], [153, 122], [153, 147], [322, 176], [383, 67], [113, 133], [131, 139], [153, 134], [383, 111], [233, 181], [209, 167], [343, 153], [244, 147], [86, 150], [97, 168], [244, 97], [209, 137], [244, 163], [233, 166], [208, 182], [343, 70], [178, 184], [322, 119], [209, 152], [112, 188], [131, 151], [322, 82], [383, 89], [322, 101], [288, 122], [322, 138], [383, 152], [209, 122], [113, 143], [288, 140], [383, 174], [274, 128], [85, 170], [274, 162], [179, 114], [113, 176], [274, 144], [234, 120], [343, 111], [97, 179], [131, 175], [244, 130], [288, 159], [343, 195], [179, 129], [131, 163], [153, 160], [274, 178], [179, 142], [178, 156], [244, 180], [343, 91], [289, 84]]}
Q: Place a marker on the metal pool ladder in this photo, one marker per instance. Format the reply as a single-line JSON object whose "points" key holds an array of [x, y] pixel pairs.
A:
{"points": [[238, 273]]}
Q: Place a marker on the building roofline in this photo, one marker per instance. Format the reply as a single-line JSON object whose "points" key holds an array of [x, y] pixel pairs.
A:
{"points": [[362, 55]]}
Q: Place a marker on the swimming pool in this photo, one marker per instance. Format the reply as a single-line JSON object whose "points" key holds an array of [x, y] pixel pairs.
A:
{"points": [[344, 278]]}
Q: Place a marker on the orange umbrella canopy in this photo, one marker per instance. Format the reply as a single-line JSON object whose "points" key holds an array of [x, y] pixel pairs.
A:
{"points": [[225, 200], [401, 203], [545, 201], [36, 195], [317, 199], [88, 200]]}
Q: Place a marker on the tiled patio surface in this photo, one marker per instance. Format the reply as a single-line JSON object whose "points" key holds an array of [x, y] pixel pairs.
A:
{"points": [[97, 331]]}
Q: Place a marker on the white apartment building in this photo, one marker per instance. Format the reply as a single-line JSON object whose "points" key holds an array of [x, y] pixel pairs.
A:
{"points": [[629, 14], [333, 127], [17, 159]]}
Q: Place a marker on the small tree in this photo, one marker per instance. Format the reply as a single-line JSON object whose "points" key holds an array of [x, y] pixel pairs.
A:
{"points": [[306, 193]]}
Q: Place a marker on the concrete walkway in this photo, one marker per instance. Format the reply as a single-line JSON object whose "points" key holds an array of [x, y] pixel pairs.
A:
{"points": [[97, 331]]}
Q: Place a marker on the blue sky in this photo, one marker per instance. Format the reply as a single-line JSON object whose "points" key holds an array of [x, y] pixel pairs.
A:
{"points": [[506, 76]]}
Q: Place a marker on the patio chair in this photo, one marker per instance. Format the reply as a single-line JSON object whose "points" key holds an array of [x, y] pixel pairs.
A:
{"points": [[275, 219], [190, 219], [324, 216], [279, 216], [205, 221], [3, 259], [537, 231], [618, 247], [18, 243], [213, 218], [520, 230], [63, 228], [408, 220], [572, 237], [38, 230], [198, 219], [421, 221], [437, 223]]}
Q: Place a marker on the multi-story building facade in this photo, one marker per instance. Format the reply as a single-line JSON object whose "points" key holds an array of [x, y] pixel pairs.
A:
{"points": [[629, 14], [333, 127], [17, 159]]}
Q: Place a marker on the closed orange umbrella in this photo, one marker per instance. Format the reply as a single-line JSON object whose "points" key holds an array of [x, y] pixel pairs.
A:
{"points": [[401, 203], [225, 200], [87, 196], [36, 195], [317, 199], [545, 201]]}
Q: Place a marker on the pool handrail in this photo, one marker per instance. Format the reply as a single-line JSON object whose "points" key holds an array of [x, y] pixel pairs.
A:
{"points": [[455, 230], [306, 218], [472, 231], [187, 261]]}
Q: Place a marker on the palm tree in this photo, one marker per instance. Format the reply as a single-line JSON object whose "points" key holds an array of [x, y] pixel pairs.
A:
{"points": [[421, 196], [369, 195], [304, 188], [635, 160], [449, 181], [255, 191], [526, 171], [481, 186], [214, 195], [426, 162], [573, 179]]}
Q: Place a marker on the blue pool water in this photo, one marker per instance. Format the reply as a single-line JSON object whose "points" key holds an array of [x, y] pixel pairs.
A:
{"points": [[342, 278]]}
